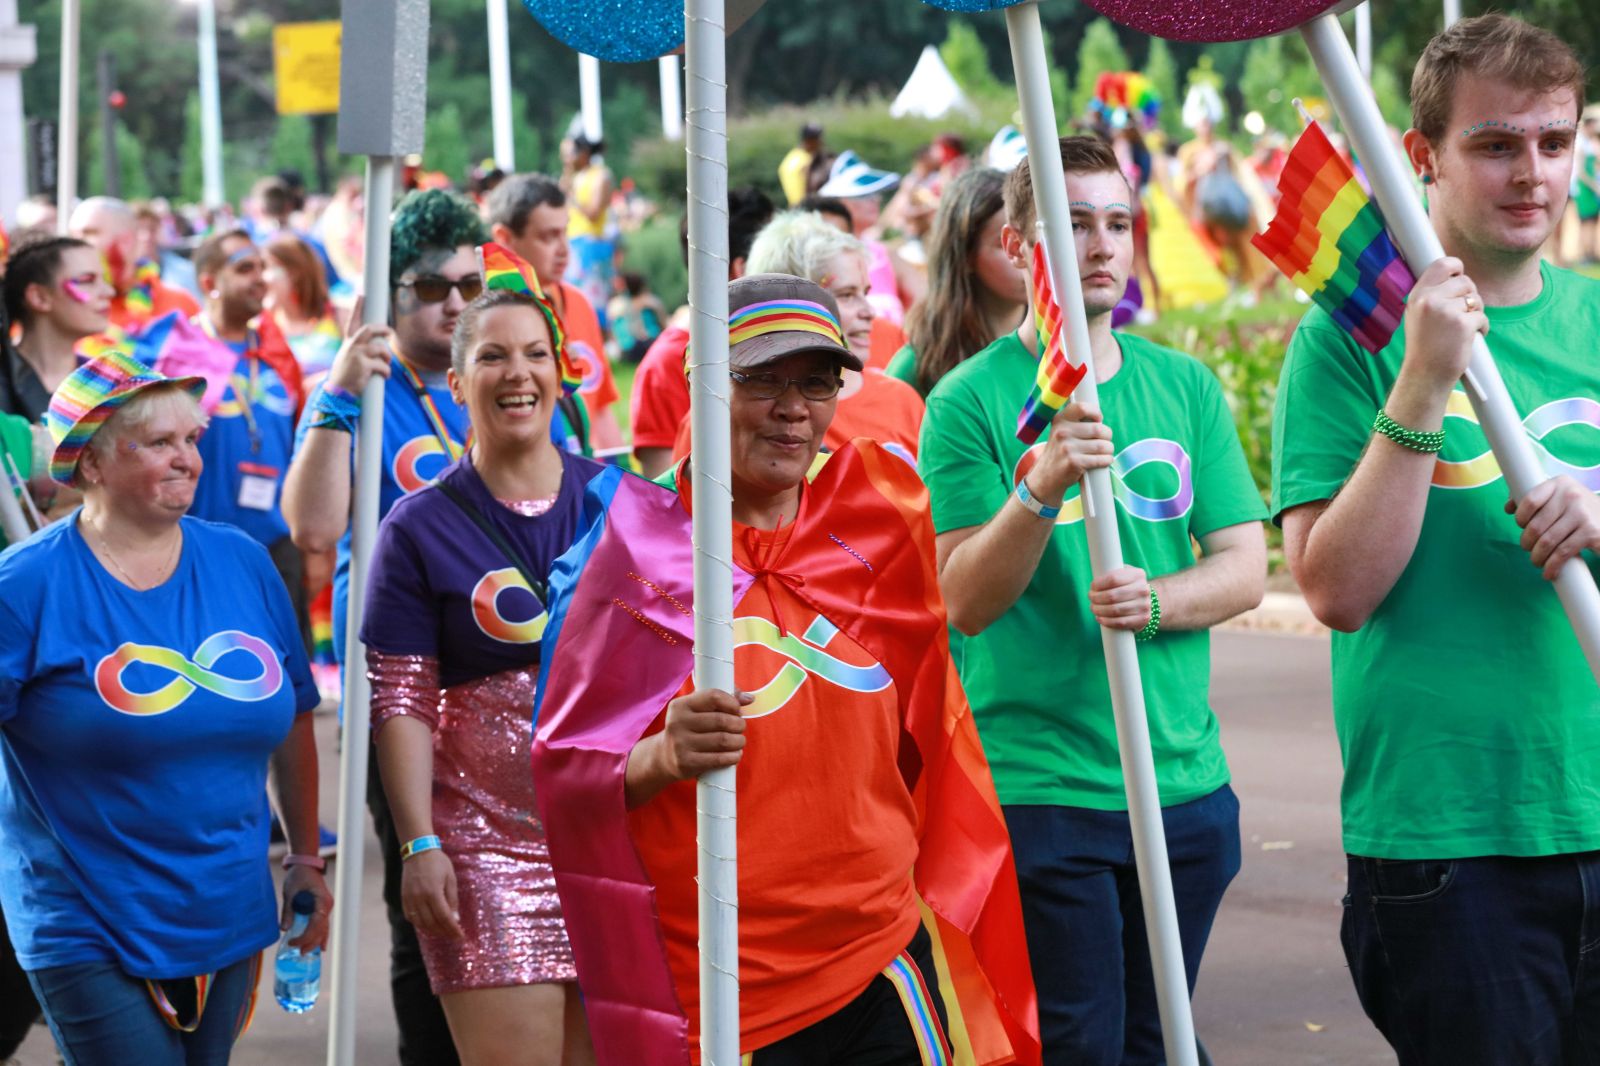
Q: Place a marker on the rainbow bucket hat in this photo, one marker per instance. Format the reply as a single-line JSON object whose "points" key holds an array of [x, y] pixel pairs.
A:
{"points": [[91, 394]]}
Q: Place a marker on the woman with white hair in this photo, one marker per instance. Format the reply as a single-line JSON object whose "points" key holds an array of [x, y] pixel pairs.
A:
{"points": [[150, 672]]}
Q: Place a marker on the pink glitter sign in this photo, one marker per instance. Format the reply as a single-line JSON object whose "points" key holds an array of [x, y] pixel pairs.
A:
{"points": [[1216, 20]]}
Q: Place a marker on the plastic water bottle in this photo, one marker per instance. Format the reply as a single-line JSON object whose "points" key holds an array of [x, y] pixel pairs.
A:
{"points": [[297, 975]]}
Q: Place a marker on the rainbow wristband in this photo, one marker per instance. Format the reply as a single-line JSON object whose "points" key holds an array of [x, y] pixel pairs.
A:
{"points": [[330, 389], [418, 846]]}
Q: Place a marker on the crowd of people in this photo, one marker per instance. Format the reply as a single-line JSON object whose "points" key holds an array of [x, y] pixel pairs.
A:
{"points": [[918, 676]]}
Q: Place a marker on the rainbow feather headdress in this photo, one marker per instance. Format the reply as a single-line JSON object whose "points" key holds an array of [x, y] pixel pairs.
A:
{"points": [[1328, 238], [1058, 374], [503, 269]]}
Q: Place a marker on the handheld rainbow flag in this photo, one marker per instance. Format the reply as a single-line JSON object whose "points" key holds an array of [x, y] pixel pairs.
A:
{"points": [[1328, 238], [140, 300], [1058, 374], [504, 269]]}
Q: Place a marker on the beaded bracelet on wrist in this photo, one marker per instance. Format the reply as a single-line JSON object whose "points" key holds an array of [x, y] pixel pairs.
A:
{"points": [[1416, 439], [1150, 627]]}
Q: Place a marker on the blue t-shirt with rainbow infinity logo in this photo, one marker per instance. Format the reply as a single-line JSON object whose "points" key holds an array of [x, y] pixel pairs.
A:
{"points": [[135, 734]]}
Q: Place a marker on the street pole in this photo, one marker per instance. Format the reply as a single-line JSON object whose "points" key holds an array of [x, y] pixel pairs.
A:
{"points": [[589, 96], [1414, 235], [1105, 549], [67, 139], [106, 75], [210, 108], [671, 99], [1364, 39], [1452, 13], [705, 50], [505, 152]]}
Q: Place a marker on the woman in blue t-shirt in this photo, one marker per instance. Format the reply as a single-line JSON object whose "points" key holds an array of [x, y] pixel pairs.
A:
{"points": [[150, 672], [454, 618]]}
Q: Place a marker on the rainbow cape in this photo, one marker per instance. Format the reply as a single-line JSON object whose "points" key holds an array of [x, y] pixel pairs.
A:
{"points": [[1328, 238], [504, 269], [1058, 375], [623, 587]]}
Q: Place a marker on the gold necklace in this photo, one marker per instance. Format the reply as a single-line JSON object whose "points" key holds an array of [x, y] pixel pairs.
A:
{"points": [[162, 574]]}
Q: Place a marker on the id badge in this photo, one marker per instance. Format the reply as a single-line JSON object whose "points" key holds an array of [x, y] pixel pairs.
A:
{"points": [[258, 487]]}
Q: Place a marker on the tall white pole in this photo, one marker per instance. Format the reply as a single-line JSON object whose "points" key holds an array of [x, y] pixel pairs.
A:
{"points": [[1452, 13], [1105, 549], [1364, 39], [210, 107], [589, 95], [505, 152], [357, 690], [716, 824], [1414, 234], [671, 99], [67, 134]]}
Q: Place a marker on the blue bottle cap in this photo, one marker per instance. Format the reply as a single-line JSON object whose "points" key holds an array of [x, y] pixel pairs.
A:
{"points": [[304, 902]]}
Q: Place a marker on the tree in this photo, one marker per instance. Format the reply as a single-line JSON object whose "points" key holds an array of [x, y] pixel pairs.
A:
{"points": [[1162, 71], [191, 175], [445, 147], [1100, 53], [968, 62], [291, 146]]}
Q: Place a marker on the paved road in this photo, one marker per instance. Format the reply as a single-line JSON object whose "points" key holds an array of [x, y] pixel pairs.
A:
{"points": [[1273, 972]]}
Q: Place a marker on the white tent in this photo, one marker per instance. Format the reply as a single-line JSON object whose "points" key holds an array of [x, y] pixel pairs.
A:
{"points": [[930, 92]]}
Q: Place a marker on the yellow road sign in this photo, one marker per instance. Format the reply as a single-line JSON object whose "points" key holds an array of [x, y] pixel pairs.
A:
{"points": [[305, 65]]}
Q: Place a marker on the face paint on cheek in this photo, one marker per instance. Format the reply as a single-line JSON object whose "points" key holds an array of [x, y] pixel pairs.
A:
{"points": [[77, 292]]}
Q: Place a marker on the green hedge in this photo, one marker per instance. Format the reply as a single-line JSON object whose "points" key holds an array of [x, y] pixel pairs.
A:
{"points": [[757, 143]]}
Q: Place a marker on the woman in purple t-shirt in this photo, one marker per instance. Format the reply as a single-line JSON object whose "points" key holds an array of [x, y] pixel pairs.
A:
{"points": [[455, 613]]}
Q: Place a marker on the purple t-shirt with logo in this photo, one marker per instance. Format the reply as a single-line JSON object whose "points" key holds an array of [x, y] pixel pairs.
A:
{"points": [[441, 587]]}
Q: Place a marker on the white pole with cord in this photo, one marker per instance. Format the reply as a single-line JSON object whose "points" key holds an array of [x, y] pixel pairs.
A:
{"points": [[1105, 549]]}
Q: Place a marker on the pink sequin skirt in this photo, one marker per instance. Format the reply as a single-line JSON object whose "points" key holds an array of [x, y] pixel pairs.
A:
{"points": [[484, 813]]}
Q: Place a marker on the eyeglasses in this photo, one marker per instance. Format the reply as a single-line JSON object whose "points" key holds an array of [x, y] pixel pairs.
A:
{"points": [[436, 290], [816, 387]]}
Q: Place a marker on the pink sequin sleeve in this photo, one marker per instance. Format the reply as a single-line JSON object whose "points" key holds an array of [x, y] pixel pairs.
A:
{"points": [[404, 684]]}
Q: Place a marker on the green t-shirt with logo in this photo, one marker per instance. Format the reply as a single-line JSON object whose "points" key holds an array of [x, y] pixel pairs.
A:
{"points": [[1468, 719], [1036, 677]]}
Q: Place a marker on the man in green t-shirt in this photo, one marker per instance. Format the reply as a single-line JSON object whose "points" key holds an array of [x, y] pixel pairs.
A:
{"points": [[1014, 567], [1468, 720]]}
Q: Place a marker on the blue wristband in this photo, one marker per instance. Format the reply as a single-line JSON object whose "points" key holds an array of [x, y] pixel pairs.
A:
{"points": [[418, 846], [330, 389], [1031, 502]]}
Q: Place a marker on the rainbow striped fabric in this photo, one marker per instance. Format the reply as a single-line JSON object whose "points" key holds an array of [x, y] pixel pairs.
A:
{"points": [[783, 316], [505, 270], [1328, 238], [1058, 374], [90, 395], [141, 301]]}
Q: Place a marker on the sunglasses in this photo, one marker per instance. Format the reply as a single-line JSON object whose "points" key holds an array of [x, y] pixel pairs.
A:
{"points": [[436, 290]]}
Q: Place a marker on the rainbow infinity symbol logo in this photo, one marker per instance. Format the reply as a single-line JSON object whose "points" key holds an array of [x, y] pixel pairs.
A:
{"points": [[806, 655], [588, 364], [1138, 454], [192, 674], [495, 625], [1482, 469], [413, 456]]}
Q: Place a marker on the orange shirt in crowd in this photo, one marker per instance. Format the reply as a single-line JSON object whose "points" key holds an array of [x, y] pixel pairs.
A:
{"points": [[586, 344], [163, 299], [887, 338], [660, 400], [819, 789], [884, 409]]}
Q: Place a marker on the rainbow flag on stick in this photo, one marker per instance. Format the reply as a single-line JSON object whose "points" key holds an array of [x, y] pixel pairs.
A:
{"points": [[504, 269], [1058, 375], [1328, 238]]}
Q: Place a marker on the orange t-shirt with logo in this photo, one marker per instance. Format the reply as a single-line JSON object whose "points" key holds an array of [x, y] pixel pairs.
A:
{"points": [[884, 409], [163, 298], [827, 830], [586, 344]]}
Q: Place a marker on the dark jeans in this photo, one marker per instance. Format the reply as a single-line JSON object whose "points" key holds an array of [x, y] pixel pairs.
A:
{"points": [[18, 1009], [871, 1030], [100, 1016], [1479, 962], [424, 1033], [1084, 919]]}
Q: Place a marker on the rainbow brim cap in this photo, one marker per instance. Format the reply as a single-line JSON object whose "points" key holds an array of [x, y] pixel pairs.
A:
{"points": [[91, 394]]}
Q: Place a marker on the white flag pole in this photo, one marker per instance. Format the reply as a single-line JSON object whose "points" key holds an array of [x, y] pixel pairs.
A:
{"points": [[67, 123], [1413, 233], [1364, 39], [1452, 13], [505, 152], [589, 96], [671, 99], [705, 52], [1105, 550]]}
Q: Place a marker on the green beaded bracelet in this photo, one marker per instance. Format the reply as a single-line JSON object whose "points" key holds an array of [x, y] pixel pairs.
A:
{"points": [[1415, 439], [1150, 627]]}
